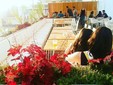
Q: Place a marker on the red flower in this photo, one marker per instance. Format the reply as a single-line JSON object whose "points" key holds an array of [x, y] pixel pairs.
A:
{"points": [[11, 73], [60, 64], [12, 83], [34, 50], [14, 50], [35, 67], [107, 58], [111, 54], [66, 67], [18, 58], [95, 60], [25, 83], [65, 55], [26, 67], [10, 76]]}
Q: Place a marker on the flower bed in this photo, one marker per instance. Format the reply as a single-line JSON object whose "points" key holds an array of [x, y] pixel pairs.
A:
{"points": [[34, 68], [99, 71], [26, 24]]}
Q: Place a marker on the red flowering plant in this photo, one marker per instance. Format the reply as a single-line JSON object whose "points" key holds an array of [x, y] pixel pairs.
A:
{"points": [[59, 63], [21, 26], [34, 68], [104, 65], [61, 67]]}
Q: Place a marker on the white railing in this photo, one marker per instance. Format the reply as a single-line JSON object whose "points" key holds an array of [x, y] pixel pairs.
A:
{"points": [[26, 36]]}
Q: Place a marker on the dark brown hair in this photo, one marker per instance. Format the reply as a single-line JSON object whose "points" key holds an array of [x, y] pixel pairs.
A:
{"points": [[81, 43], [101, 42]]}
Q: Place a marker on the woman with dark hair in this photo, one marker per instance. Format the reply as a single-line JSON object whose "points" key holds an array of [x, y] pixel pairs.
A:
{"points": [[101, 42], [100, 45], [82, 18], [91, 14], [99, 14], [80, 43]]}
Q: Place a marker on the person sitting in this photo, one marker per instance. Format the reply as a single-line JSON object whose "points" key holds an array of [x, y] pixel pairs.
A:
{"points": [[101, 42], [104, 14], [91, 14], [54, 15], [60, 15], [80, 43], [100, 45], [99, 14]]}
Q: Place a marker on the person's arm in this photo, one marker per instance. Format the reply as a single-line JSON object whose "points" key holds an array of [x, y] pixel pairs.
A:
{"points": [[69, 49], [74, 59]]}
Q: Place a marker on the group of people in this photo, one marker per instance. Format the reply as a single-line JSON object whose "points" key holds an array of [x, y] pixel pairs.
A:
{"points": [[100, 14], [89, 45], [70, 13], [84, 18]]}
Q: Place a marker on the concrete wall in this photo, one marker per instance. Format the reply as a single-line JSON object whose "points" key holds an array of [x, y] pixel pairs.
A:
{"points": [[37, 32]]}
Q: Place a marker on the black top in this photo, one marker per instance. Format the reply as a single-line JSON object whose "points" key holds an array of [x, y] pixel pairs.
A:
{"points": [[84, 60], [70, 12], [105, 15]]}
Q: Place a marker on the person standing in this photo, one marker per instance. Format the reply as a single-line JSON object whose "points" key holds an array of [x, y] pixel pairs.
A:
{"points": [[82, 18], [69, 11], [74, 12]]}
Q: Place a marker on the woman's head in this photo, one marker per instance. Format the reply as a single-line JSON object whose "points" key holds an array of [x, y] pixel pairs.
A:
{"points": [[92, 12], [99, 12], [80, 43], [101, 42], [82, 13]]}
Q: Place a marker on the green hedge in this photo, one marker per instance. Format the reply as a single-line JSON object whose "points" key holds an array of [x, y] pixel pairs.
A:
{"points": [[85, 75]]}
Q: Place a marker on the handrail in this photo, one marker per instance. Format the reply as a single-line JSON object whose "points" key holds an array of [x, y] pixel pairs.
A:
{"points": [[23, 37]]}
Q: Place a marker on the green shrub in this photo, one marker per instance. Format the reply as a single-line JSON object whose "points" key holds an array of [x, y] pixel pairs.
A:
{"points": [[2, 77], [85, 75], [106, 68]]}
